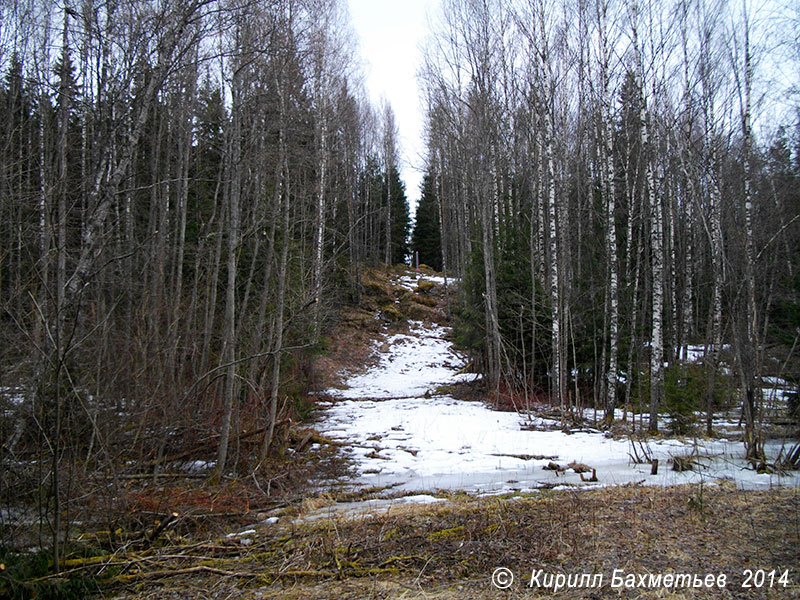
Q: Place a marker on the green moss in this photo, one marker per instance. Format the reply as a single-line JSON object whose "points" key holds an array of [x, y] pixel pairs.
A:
{"points": [[446, 533], [428, 301], [375, 288], [492, 528], [390, 312], [424, 286]]}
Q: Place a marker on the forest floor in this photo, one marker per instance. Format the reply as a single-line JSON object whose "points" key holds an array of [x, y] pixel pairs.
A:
{"points": [[453, 549], [414, 488]]}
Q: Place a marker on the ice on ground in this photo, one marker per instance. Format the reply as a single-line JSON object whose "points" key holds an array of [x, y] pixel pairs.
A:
{"points": [[410, 443], [417, 444]]}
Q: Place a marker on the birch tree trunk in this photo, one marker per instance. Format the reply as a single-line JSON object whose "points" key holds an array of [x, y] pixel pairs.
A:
{"points": [[657, 269], [749, 350], [607, 155], [555, 298], [656, 235]]}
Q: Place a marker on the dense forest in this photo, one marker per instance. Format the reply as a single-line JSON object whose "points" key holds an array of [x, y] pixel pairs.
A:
{"points": [[190, 191], [603, 193], [187, 192]]}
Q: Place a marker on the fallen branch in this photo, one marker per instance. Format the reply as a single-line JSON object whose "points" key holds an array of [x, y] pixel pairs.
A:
{"points": [[161, 574], [209, 443], [161, 526]]}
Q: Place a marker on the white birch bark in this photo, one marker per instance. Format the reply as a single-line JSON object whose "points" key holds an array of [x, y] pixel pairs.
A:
{"points": [[611, 231], [656, 236], [750, 351], [555, 317]]}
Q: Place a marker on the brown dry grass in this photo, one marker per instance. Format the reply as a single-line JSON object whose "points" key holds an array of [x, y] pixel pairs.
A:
{"points": [[450, 550]]}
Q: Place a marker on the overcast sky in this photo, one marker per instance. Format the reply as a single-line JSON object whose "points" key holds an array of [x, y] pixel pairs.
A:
{"points": [[391, 34]]}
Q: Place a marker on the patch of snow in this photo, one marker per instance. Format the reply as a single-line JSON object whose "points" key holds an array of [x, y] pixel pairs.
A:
{"points": [[241, 533], [437, 279], [200, 465], [414, 364], [410, 443], [371, 507], [420, 499], [410, 282], [407, 282], [13, 395], [695, 353], [776, 382], [466, 446]]}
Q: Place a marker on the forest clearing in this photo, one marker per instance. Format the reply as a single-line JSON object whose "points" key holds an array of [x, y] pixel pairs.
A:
{"points": [[261, 335]]}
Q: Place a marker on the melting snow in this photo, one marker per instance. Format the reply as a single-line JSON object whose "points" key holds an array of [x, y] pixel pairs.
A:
{"points": [[414, 364], [411, 443]]}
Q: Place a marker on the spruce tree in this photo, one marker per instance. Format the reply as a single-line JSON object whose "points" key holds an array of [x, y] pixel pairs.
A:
{"points": [[400, 219], [426, 238]]}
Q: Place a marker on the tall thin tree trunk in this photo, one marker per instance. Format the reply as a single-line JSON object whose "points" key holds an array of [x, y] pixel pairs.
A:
{"points": [[607, 154], [555, 299], [493, 341], [750, 352], [319, 219], [442, 234], [277, 346], [656, 239], [229, 353], [657, 269], [282, 209]]}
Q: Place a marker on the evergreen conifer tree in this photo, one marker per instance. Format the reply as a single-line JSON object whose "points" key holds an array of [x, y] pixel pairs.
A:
{"points": [[400, 219], [426, 238]]}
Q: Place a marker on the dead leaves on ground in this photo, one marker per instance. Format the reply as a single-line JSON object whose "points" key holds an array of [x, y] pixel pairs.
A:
{"points": [[708, 529]]}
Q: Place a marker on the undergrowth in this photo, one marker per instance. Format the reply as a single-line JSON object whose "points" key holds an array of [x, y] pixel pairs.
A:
{"points": [[25, 575]]}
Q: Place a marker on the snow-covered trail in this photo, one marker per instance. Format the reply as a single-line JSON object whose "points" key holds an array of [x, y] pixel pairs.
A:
{"points": [[406, 435]]}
